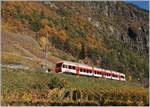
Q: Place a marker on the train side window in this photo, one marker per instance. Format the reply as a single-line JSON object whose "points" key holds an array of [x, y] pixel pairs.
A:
{"points": [[122, 76], [90, 71], [64, 66], [70, 67], [114, 75], [73, 67], [80, 70]]}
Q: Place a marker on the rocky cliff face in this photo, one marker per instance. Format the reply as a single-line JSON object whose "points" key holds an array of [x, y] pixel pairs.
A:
{"points": [[125, 22], [112, 35]]}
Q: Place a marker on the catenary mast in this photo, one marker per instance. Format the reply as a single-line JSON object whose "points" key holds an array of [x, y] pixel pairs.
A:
{"points": [[46, 53]]}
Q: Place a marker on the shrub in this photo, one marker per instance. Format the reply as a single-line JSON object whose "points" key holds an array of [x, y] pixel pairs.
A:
{"points": [[57, 42], [35, 26], [93, 54], [55, 82]]}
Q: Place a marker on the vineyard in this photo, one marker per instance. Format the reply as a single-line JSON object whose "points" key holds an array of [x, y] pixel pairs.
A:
{"points": [[22, 87]]}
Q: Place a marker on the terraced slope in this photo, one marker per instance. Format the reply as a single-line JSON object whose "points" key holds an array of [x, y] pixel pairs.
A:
{"points": [[22, 87]]}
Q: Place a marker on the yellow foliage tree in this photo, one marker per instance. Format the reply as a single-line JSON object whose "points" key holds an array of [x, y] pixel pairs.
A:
{"points": [[44, 22], [62, 35], [92, 41]]}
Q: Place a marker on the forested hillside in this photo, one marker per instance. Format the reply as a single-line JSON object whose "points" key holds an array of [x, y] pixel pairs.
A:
{"points": [[112, 35]]}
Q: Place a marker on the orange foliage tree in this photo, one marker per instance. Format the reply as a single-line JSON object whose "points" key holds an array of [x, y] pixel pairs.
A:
{"points": [[51, 33]]}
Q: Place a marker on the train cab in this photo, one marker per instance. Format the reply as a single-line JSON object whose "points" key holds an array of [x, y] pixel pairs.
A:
{"points": [[58, 67]]}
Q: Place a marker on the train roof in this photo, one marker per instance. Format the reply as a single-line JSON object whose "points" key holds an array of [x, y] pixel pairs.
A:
{"points": [[74, 63]]}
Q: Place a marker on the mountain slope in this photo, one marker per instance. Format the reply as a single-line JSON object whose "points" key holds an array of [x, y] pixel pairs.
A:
{"points": [[112, 35]]}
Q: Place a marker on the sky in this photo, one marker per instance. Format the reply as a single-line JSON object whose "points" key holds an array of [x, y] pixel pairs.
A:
{"points": [[142, 4]]}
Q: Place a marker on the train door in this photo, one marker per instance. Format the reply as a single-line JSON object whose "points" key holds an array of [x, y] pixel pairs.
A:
{"points": [[92, 70], [77, 70], [111, 74], [119, 76]]}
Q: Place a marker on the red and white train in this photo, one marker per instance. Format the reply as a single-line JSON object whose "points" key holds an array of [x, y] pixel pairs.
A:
{"points": [[82, 69]]}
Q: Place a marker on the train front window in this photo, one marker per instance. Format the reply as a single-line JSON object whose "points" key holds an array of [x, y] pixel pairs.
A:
{"points": [[58, 65]]}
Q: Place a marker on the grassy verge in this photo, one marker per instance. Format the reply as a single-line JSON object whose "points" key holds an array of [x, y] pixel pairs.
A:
{"points": [[20, 87]]}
